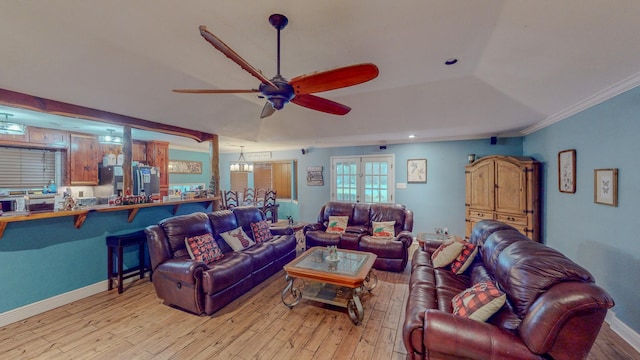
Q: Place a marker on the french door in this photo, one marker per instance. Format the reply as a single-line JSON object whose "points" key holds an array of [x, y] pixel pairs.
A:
{"points": [[362, 179]]}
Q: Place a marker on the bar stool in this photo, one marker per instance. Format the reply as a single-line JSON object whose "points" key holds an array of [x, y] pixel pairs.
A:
{"points": [[118, 243]]}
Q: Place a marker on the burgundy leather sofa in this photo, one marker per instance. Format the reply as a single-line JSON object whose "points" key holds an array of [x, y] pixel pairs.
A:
{"points": [[203, 289], [393, 253], [554, 310]]}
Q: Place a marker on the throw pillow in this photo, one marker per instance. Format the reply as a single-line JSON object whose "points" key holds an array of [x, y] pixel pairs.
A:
{"points": [[261, 231], [384, 228], [337, 224], [479, 302], [447, 252], [203, 248], [462, 262], [237, 239]]}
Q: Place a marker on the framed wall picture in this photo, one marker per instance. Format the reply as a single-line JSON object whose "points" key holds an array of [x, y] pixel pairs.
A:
{"points": [[567, 171], [185, 167], [605, 183], [417, 170]]}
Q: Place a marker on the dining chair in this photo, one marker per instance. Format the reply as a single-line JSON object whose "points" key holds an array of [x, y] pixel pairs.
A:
{"points": [[269, 206], [230, 199]]}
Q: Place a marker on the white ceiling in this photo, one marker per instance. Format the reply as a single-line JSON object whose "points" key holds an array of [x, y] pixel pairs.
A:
{"points": [[522, 64]]}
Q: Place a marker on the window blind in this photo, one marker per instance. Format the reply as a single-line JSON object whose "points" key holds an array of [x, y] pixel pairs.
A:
{"points": [[26, 168]]}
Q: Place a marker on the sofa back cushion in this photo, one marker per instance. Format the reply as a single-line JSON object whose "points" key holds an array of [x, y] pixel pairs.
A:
{"points": [[482, 230], [361, 215], [222, 221], [495, 243], [335, 208], [247, 215], [178, 228], [391, 212], [526, 269]]}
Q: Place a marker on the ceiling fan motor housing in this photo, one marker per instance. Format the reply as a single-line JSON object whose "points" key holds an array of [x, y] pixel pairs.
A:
{"points": [[280, 95]]}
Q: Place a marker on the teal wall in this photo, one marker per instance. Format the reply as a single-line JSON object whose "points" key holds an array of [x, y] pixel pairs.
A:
{"points": [[49, 257], [601, 238], [175, 154], [438, 203]]}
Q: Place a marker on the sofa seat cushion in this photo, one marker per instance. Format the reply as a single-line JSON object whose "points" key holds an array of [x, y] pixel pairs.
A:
{"points": [[232, 268], [282, 244], [322, 238], [350, 241], [261, 255], [382, 246], [422, 275], [357, 229]]}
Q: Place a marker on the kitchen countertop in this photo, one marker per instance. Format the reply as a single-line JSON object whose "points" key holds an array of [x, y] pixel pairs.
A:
{"points": [[81, 213]]}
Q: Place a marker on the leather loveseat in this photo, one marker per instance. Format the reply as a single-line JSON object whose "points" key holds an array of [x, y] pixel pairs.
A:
{"points": [[392, 252], [553, 309], [203, 289]]}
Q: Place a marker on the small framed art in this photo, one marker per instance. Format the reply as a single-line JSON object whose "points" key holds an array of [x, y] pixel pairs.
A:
{"points": [[567, 171], [605, 183], [417, 170]]}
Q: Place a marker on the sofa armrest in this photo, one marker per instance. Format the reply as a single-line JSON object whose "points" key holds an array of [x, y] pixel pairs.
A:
{"points": [[406, 237], [451, 336], [313, 227], [184, 271], [282, 230]]}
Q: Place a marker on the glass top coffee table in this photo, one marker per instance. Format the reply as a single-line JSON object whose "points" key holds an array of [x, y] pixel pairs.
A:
{"points": [[338, 281]]}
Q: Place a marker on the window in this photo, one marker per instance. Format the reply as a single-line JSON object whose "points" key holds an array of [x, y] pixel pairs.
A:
{"points": [[362, 178], [26, 168], [278, 175]]}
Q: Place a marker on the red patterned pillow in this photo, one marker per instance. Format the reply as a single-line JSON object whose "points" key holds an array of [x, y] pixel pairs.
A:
{"points": [[203, 248], [479, 302], [261, 231], [462, 262]]}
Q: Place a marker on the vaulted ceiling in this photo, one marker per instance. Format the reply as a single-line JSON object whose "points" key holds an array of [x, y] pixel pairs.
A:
{"points": [[521, 64]]}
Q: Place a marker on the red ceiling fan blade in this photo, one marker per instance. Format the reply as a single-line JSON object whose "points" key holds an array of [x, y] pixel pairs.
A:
{"points": [[334, 78], [320, 104], [214, 91], [225, 49]]}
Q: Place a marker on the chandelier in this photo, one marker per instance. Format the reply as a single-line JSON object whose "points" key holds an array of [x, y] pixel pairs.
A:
{"points": [[241, 165], [11, 128]]}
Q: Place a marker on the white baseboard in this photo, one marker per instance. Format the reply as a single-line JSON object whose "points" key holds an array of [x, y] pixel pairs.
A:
{"points": [[624, 331]]}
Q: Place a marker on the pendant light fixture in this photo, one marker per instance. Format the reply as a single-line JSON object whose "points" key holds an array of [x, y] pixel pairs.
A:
{"points": [[110, 139], [241, 165], [11, 128]]}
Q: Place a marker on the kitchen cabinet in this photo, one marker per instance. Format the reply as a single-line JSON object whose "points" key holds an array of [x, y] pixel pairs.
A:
{"points": [[55, 138], [504, 188], [139, 151], [83, 160], [158, 156]]}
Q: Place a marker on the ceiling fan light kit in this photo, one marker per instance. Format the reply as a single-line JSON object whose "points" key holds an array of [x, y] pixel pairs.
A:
{"points": [[110, 139], [278, 91], [11, 128]]}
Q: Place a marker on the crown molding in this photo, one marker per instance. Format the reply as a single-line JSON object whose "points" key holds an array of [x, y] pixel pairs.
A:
{"points": [[600, 97]]}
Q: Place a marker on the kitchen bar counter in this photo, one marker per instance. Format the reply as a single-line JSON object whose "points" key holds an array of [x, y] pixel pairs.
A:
{"points": [[80, 215]]}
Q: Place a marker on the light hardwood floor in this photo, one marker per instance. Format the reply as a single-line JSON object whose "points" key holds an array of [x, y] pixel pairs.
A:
{"points": [[135, 325]]}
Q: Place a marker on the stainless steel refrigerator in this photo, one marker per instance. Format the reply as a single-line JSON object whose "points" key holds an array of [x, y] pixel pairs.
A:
{"points": [[145, 178]]}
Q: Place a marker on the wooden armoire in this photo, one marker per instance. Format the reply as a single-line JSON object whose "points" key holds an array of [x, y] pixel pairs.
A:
{"points": [[504, 188]]}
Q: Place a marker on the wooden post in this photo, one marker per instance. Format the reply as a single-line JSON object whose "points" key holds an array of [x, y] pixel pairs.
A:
{"points": [[214, 156], [127, 146]]}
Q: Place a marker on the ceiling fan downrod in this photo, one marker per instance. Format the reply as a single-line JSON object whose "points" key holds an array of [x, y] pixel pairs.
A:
{"points": [[279, 22]]}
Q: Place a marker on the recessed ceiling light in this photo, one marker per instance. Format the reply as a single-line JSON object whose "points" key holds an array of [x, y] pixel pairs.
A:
{"points": [[411, 136], [451, 61]]}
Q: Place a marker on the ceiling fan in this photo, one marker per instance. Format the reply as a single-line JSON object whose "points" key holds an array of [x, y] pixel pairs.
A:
{"points": [[278, 91]]}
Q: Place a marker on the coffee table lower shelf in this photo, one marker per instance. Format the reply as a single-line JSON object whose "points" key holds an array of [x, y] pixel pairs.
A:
{"points": [[331, 294]]}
